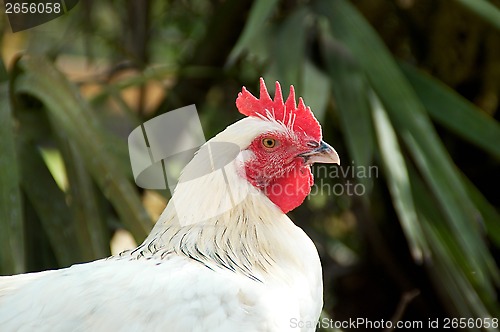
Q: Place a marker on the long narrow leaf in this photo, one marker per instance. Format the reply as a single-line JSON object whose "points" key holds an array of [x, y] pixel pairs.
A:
{"points": [[408, 115], [49, 203], [454, 112], [70, 113], [84, 204], [12, 258], [490, 216], [484, 9], [289, 48], [260, 12], [447, 262], [399, 182], [315, 89], [350, 90], [412, 124]]}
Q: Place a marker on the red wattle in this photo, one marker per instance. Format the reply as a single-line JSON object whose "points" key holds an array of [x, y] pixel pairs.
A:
{"points": [[289, 191]]}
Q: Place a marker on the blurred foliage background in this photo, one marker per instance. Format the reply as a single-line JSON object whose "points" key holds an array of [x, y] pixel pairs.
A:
{"points": [[410, 87]]}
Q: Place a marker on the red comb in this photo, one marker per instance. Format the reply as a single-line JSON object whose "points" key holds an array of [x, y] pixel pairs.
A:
{"points": [[298, 118]]}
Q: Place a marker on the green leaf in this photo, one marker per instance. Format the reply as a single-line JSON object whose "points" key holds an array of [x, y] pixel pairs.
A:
{"points": [[460, 116], [49, 203], [289, 48], [259, 14], [487, 11], [12, 258], [413, 126], [315, 89], [490, 216], [85, 205], [350, 91], [447, 261], [459, 290], [71, 114], [454, 112], [399, 182], [4, 76]]}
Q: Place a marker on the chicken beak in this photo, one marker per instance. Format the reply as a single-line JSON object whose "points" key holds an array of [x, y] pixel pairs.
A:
{"points": [[324, 153]]}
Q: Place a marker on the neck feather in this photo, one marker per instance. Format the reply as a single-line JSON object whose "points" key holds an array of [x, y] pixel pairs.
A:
{"points": [[249, 239]]}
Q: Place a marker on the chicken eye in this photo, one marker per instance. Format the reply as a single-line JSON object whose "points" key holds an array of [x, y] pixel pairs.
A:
{"points": [[269, 142]]}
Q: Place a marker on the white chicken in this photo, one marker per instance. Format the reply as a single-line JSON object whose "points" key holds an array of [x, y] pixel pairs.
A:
{"points": [[208, 265]]}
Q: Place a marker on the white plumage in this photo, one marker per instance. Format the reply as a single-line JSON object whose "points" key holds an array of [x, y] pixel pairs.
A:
{"points": [[247, 269]]}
